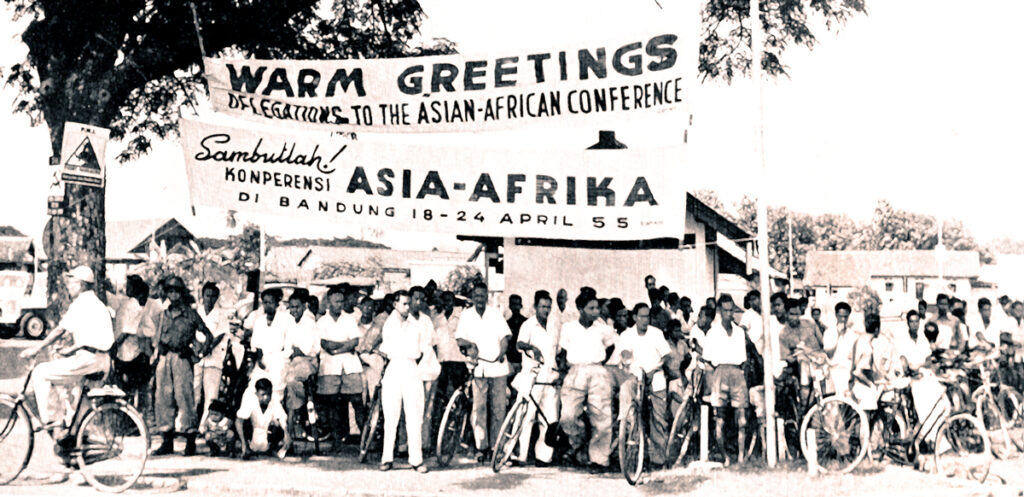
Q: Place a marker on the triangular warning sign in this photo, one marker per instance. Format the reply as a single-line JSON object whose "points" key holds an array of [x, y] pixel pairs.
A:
{"points": [[84, 157]]}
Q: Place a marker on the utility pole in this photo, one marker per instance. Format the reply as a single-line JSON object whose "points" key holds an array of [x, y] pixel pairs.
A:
{"points": [[756, 43], [789, 231]]}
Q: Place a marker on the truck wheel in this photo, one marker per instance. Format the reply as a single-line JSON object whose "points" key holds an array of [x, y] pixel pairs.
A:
{"points": [[33, 325]]}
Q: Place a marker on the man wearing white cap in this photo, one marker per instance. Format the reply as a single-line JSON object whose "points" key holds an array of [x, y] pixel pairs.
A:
{"points": [[92, 333]]}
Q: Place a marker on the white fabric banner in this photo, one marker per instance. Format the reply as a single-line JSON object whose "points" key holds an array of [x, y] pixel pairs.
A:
{"points": [[589, 194], [606, 81]]}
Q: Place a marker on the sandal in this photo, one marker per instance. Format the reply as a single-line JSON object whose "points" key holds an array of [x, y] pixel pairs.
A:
{"points": [[385, 466], [421, 469]]}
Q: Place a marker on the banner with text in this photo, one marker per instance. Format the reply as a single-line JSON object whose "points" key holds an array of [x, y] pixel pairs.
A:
{"points": [[598, 82], [318, 177]]}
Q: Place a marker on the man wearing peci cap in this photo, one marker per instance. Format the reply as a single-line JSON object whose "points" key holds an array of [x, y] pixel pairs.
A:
{"points": [[92, 333], [174, 367]]}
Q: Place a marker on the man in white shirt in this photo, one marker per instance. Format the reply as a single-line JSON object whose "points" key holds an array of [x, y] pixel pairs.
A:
{"points": [[725, 347], [445, 319], [587, 345], [206, 379], [643, 352], [951, 334], [404, 343], [261, 421], [92, 333], [268, 332], [484, 332], [838, 343], [984, 330], [302, 345], [537, 342], [341, 372]]}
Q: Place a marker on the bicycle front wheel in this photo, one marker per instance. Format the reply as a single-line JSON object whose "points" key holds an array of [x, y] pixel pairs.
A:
{"points": [[16, 440], [998, 428], [962, 448], [113, 444], [840, 439], [631, 445], [454, 425], [511, 428], [684, 425]]}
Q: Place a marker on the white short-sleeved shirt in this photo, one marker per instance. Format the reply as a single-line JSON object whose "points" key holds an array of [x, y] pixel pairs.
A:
{"points": [[751, 321], [269, 337], [648, 349], [89, 322], [218, 322], [486, 332], [261, 420], [301, 335], [722, 348], [543, 338], [444, 337], [916, 351], [841, 345], [946, 327], [990, 332], [586, 345], [342, 329]]}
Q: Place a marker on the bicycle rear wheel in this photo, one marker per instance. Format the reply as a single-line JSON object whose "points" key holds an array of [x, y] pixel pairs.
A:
{"points": [[962, 448], [1010, 404], [454, 425], [511, 428], [840, 434], [369, 432], [16, 440], [112, 446], [631, 445], [684, 425], [887, 430]]}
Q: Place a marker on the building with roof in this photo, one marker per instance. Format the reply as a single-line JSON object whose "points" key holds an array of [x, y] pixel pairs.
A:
{"points": [[900, 277], [375, 269], [711, 257]]}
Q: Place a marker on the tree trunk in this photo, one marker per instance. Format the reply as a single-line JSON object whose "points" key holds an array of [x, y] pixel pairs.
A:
{"points": [[78, 237]]}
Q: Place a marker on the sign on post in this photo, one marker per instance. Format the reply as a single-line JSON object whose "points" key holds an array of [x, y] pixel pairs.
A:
{"points": [[83, 154]]}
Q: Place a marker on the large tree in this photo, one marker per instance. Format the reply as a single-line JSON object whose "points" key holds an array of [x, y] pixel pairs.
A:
{"points": [[130, 65]]}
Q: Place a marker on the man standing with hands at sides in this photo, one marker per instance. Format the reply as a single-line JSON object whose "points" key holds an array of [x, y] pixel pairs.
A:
{"points": [[208, 370], [537, 342], [484, 333], [404, 343], [92, 333], [587, 345], [725, 348], [174, 368]]}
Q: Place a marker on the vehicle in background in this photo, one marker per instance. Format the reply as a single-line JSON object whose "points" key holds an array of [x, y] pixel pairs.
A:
{"points": [[22, 289]]}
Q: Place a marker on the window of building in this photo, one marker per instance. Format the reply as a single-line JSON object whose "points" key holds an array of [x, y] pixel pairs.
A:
{"points": [[888, 286]]}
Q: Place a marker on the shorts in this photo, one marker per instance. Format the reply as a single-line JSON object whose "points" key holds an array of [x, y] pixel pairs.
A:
{"points": [[346, 384], [728, 384]]}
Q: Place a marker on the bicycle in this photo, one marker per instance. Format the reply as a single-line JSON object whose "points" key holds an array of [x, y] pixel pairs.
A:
{"points": [[108, 441], [961, 439], [512, 426], [991, 402], [374, 419], [455, 434], [834, 429], [686, 419], [633, 432]]}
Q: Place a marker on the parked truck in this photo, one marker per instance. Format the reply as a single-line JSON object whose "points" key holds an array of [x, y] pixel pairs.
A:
{"points": [[22, 289]]}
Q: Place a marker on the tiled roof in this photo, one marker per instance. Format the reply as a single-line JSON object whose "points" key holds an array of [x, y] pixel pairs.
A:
{"points": [[856, 267]]}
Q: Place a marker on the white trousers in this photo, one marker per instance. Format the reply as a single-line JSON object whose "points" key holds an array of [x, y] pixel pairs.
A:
{"points": [[67, 371], [402, 389], [547, 398]]}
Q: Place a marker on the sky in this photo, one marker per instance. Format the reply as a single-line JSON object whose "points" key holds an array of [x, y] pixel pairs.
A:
{"points": [[919, 102]]}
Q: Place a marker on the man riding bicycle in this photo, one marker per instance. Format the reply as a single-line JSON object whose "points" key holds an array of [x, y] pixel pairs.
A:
{"points": [[92, 333]]}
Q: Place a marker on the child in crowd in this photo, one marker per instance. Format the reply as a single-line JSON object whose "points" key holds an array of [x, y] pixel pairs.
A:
{"points": [[261, 422], [218, 431]]}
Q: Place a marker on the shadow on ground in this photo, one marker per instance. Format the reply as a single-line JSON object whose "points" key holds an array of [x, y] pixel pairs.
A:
{"points": [[501, 481], [184, 473], [672, 484]]}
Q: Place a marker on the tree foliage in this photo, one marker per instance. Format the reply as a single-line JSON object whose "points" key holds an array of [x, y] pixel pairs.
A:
{"points": [[461, 280], [725, 50], [889, 229]]}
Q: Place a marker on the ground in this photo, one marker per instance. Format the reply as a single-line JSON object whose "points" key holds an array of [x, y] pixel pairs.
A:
{"points": [[341, 475]]}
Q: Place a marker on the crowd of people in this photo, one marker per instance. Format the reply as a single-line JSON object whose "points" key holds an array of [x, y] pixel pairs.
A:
{"points": [[244, 381]]}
